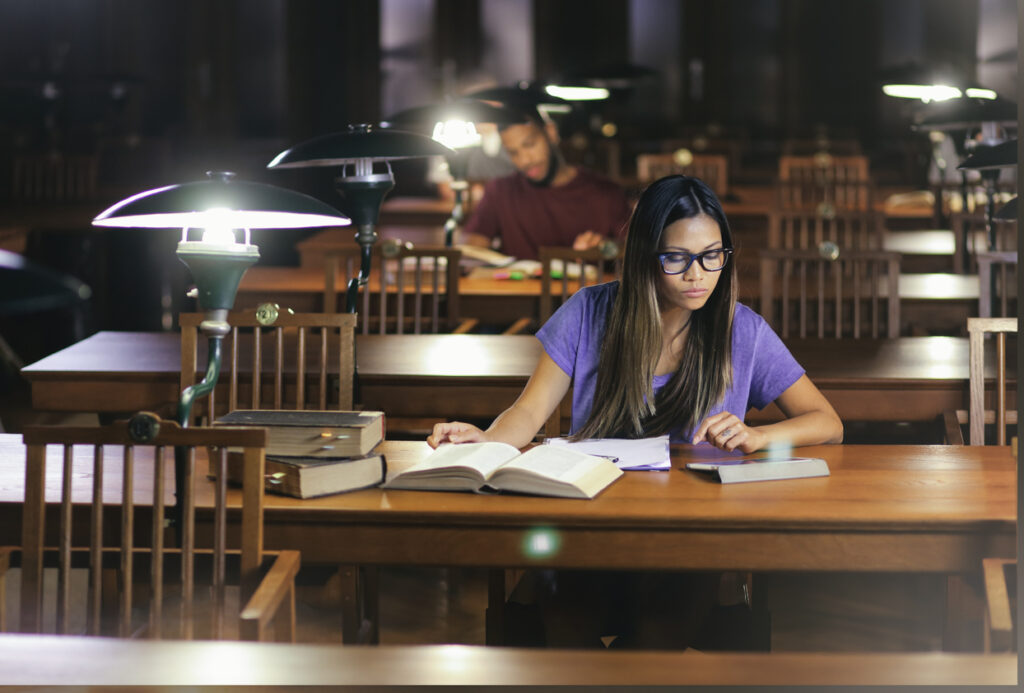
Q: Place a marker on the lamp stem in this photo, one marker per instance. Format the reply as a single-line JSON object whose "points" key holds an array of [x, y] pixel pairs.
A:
{"points": [[188, 396], [458, 212], [354, 284]]}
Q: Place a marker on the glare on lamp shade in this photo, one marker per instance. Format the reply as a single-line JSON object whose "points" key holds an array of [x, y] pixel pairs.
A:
{"points": [[568, 93], [924, 92], [357, 144], [220, 202]]}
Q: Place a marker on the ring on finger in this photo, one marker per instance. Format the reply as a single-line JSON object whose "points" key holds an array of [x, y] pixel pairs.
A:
{"points": [[726, 433]]}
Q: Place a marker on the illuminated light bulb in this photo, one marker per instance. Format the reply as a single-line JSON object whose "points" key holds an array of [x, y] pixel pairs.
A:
{"points": [[456, 134], [925, 92], [979, 93], [578, 93]]}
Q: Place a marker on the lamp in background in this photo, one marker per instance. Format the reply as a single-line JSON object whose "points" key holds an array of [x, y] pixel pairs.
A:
{"points": [[216, 210], [453, 124], [990, 160], [362, 189]]}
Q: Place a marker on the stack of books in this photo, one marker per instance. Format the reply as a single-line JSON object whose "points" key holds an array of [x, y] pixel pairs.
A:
{"points": [[316, 453]]}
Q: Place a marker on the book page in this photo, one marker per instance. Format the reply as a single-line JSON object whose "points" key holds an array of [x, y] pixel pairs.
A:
{"points": [[483, 457], [556, 462]]}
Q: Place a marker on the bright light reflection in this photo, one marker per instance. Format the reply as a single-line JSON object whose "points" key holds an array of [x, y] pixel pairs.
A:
{"points": [[925, 92], [454, 658], [978, 93], [458, 356], [240, 219], [456, 134], [578, 93], [941, 359], [218, 230], [541, 542]]}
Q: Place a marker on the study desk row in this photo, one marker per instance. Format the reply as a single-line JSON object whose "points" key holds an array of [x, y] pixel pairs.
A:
{"points": [[901, 508], [478, 376], [940, 301], [39, 660]]}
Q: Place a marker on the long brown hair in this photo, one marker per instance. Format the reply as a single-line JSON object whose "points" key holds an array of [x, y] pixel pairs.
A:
{"points": [[624, 401]]}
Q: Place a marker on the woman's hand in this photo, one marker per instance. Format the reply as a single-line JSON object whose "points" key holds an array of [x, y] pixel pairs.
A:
{"points": [[455, 432], [727, 432]]}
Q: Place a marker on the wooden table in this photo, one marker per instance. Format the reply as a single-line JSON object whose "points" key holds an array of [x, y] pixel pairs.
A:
{"points": [[928, 508], [41, 660], [900, 508], [478, 376]]}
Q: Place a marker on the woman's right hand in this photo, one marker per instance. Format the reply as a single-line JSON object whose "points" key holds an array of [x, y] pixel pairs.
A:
{"points": [[455, 432]]}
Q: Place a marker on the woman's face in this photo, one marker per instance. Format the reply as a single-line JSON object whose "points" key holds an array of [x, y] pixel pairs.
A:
{"points": [[690, 289]]}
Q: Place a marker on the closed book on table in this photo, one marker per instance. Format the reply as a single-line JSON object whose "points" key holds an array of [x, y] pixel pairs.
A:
{"points": [[761, 469], [301, 433], [308, 477]]}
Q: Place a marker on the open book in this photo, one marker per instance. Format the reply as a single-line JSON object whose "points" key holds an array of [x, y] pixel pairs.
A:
{"points": [[543, 470]]}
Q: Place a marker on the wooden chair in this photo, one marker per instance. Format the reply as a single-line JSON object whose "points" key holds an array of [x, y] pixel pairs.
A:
{"points": [[824, 182], [54, 177], [117, 527], [311, 360], [809, 228], [856, 294], [997, 282], [1000, 576], [978, 414], [713, 169], [422, 297], [971, 238]]}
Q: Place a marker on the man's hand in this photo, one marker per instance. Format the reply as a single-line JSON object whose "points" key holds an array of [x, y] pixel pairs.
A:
{"points": [[586, 240]]}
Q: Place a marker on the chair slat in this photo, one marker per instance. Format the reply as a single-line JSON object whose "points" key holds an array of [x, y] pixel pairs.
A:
{"points": [[127, 564], [64, 543]]}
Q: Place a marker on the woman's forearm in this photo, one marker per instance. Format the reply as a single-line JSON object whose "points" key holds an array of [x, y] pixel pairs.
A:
{"points": [[514, 426], [811, 428]]}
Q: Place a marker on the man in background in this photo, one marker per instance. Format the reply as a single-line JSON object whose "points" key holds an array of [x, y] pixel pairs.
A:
{"points": [[546, 202]]}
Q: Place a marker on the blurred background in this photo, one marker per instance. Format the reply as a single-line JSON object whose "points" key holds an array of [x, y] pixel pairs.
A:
{"points": [[132, 94]]}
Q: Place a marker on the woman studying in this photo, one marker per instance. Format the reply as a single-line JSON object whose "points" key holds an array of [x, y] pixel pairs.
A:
{"points": [[666, 349]]}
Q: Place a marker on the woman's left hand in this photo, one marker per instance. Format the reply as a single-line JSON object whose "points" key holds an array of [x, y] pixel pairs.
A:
{"points": [[727, 432]]}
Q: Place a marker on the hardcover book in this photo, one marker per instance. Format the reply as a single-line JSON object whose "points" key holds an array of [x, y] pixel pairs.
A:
{"points": [[300, 433]]}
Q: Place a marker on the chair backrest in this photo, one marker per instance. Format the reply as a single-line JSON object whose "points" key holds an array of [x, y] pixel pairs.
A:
{"points": [[997, 283], [276, 360], [977, 329], [808, 228], [1000, 576], [118, 523], [54, 177], [564, 271], [713, 169], [970, 231], [823, 182], [411, 289], [856, 294]]}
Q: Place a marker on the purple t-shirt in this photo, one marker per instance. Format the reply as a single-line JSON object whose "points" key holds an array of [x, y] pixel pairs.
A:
{"points": [[762, 367]]}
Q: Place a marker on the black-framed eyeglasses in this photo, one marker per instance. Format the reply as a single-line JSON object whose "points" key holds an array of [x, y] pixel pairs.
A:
{"points": [[711, 260]]}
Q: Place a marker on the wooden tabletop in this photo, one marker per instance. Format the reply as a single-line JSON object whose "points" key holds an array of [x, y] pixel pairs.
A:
{"points": [[34, 660], [450, 376], [883, 508]]}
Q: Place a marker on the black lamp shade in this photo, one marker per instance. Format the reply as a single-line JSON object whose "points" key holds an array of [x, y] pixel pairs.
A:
{"points": [[358, 142], [611, 76], [28, 288], [1008, 212], [470, 110], [1001, 155], [964, 114], [202, 204]]}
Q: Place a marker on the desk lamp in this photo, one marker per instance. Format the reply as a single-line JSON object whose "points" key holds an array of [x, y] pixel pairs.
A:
{"points": [[966, 117], [218, 206], [992, 159], [355, 150], [453, 123]]}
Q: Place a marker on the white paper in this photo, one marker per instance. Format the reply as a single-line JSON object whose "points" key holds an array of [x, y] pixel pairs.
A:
{"points": [[636, 454]]}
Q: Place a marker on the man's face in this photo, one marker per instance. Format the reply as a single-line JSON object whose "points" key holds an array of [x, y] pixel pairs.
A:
{"points": [[530, 151]]}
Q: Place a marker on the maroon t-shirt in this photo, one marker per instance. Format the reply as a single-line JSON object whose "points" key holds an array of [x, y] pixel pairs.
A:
{"points": [[527, 217]]}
